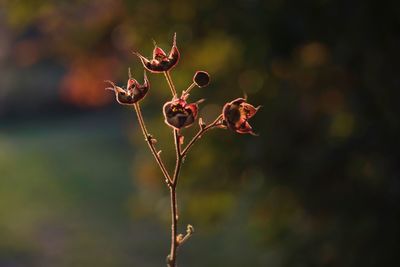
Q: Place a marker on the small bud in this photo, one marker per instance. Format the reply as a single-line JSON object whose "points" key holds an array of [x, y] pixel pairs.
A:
{"points": [[181, 139], [189, 229], [168, 260], [201, 78], [201, 123], [179, 238], [151, 139]]}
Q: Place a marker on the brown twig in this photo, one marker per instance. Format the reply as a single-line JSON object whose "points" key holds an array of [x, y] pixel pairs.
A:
{"points": [[171, 259], [174, 208], [170, 83], [203, 128], [176, 239], [151, 141]]}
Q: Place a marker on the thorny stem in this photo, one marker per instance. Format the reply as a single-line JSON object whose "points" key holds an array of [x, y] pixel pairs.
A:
{"points": [[171, 259], [150, 141], [170, 83]]}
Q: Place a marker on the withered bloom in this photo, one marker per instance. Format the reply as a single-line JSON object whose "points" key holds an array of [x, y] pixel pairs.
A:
{"points": [[161, 61], [236, 115], [178, 113], [133, 92]]}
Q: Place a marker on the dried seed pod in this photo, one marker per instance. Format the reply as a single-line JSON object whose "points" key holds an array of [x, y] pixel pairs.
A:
{"points": [[133, 93], [236, 115], [161, 61], [179, 114]]}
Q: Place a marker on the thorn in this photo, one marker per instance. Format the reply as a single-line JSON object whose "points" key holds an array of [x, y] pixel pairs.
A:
{"points": [[129, 73], [254, 134], [159, 153], [153, 141], [138, 55], [200, 101], [201, 123], [154, 42], [174, 42], [110, 82], [181, 139]]}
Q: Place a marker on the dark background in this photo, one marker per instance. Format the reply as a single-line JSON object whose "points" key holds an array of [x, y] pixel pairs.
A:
{"points": [[319, 187]]}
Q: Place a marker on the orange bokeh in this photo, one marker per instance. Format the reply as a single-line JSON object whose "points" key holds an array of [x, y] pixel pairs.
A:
{"points": [[83, 85]]}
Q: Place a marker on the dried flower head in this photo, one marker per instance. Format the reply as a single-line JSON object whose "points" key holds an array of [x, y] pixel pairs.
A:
{"points": [[236, 115], [178, 113], [133, 93], [161, 61]]}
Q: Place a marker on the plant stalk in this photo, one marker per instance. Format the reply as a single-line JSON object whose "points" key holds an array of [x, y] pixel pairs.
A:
{"points": [[150, 141]]}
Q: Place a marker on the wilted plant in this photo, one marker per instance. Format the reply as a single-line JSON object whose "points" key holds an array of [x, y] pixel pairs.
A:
{"points": [[178, 114]]}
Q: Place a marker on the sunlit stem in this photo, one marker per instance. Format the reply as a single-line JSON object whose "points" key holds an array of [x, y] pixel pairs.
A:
{"points": [[174, 208], [170, 83], [189, 88], [180, 155], [203, 129], [129, 73], [150, 141]]}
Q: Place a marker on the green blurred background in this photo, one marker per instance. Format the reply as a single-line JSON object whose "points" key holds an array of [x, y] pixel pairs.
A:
{"points": [[319, 187]]}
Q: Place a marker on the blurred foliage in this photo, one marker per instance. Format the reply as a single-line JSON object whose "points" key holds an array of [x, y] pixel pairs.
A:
{"points": [[319, 187]]}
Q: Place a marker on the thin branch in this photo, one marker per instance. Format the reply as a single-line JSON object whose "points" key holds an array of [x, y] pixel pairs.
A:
{"points": [[203, 129], [174, 206], [177, 139], [170, 83], [185, 92], [150, 141], [174, 227]]}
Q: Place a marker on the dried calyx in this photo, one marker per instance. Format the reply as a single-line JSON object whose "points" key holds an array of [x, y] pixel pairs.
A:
{"points": [[236, 115], [161, 62], [133, 93], [180, 114]]}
